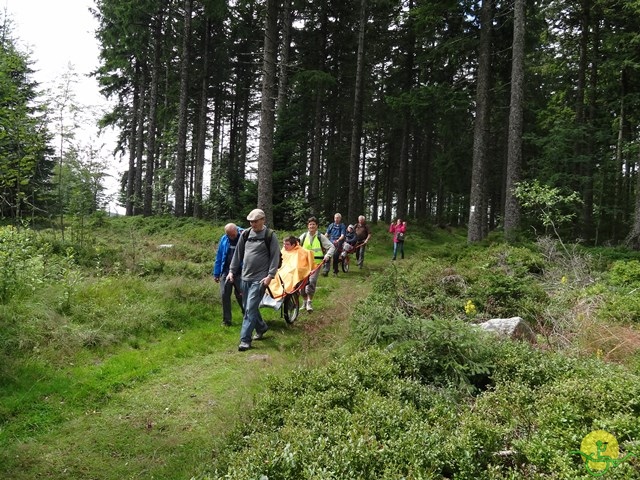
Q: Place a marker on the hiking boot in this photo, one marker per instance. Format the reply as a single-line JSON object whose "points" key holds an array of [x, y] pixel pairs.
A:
{"points": [[308, 306], [244, 346], [258, 336]]}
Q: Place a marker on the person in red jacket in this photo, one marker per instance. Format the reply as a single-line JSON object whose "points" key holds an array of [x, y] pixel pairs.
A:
{"points": [[398, 229]]}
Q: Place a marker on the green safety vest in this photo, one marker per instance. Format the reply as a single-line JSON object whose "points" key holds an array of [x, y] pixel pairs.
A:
{"points": [[315, 245]]}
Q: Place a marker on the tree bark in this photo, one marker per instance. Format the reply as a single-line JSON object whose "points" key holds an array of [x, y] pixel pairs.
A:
{"points": [[131, 173], [353, 209], [477, 207], [142, 110], [267, 112], [153, 112], [514, 143], [285, 47], [181, 154], [202, 126]]}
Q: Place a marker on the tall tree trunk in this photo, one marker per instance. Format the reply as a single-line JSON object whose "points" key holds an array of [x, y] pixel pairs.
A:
{"points": [[285, 47], [353, 209], [153, 112], [131, 174], [580, 123], [137, 196], [478, 204], [216, 144], [633, 239], [618, 180], [202, 125], [163, 173], [181, 154], [267, 112], [403, 169], [377, 177], [317, 138], [316, 152], [514, 143], [591, 160]]}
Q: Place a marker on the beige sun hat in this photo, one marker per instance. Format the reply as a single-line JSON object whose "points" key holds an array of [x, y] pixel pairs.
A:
{"points": [[255, 214]]}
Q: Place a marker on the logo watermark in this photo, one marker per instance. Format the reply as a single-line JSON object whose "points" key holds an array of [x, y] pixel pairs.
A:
{"points": [[600, 452]]}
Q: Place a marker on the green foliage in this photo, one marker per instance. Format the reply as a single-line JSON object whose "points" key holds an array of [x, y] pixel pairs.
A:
{"points": [[359, 417], [24, 166], [449, 353], [27, 264], [625, 274], [500, 281], [62, 295], [94, 361], [551, 207]]}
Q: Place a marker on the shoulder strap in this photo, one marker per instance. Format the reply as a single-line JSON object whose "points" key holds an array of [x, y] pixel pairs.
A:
{"points": [[303, 237], [267, 239], [268, 235]]}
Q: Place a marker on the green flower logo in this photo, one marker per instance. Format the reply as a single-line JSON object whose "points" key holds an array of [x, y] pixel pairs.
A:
{"points": [[600, 451]]}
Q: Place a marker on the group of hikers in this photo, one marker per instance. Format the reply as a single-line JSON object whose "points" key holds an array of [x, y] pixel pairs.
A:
{"points": [[247, 261]]}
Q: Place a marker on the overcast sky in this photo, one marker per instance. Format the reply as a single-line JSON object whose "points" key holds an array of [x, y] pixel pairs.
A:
{"points": [[58, 33]]}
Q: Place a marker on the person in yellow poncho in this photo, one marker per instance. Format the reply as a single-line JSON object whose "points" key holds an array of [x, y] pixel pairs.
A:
{"points": [[297, 264]]}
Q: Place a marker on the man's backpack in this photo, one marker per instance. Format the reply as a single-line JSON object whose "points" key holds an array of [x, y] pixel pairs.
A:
{"points": [[268, 236]]}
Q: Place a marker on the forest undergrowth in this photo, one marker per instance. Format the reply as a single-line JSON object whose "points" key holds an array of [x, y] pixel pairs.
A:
{"points": [[114, 363]]}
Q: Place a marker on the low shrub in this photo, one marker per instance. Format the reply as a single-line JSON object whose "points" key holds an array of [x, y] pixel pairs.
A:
{"points": [[447, 353], [359, 417], [625, 274]]}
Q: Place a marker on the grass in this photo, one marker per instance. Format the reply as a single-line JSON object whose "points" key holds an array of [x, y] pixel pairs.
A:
{"points": [[136, 378]]}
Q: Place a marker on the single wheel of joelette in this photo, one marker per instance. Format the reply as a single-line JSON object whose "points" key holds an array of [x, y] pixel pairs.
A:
{"points": [[345, 264], [291, 307]]}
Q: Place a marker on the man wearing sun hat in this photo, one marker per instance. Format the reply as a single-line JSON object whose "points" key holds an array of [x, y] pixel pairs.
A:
{"points": [[257, 258]]}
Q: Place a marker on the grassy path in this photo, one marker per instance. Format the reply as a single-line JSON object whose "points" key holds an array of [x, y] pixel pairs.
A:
{"points": [[159, 410]]}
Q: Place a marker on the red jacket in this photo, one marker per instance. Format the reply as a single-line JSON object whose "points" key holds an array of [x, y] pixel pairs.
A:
{"points": [[395, 229]]}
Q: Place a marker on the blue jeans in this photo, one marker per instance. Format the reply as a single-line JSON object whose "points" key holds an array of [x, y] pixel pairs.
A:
{"points": [[252, 293], [398, 247]]}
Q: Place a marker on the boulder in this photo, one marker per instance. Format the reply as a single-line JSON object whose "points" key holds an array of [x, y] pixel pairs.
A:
{"points": [[514, 328]]}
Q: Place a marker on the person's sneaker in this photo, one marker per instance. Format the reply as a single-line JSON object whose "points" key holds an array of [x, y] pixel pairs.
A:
{"points": [[304, 305], [335, 274], [244, 346], [226, 324], [258, 336], [325, 274], [308, 306]]}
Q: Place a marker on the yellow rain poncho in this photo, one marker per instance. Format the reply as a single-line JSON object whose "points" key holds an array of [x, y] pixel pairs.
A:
{"points": [[297, 264]]}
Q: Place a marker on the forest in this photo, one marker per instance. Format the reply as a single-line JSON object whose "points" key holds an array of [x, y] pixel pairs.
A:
{"points": [[433, 111]]}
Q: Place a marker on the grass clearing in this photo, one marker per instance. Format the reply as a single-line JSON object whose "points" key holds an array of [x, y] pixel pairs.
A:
{"points": [[137, 378]]}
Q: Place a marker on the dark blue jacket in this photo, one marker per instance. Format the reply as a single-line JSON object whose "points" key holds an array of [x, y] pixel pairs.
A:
{"points": [[335, 231], [221, 255]]}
